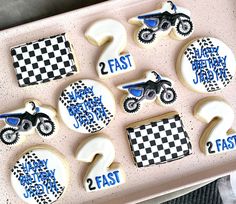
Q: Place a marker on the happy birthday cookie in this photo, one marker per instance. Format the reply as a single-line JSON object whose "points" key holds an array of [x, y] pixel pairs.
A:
{"points": [[103, 173], [40, 175], [43, 60], [158, 140], [206, 65], [33, 117], [153, 87], [169, 20], [86, 106]]}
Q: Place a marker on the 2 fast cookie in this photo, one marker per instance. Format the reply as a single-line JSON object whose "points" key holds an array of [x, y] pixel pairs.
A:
{"points": [[204, 65]]}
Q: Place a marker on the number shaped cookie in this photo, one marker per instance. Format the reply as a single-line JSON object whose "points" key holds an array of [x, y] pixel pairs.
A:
{"points": [[114, 60], [168, 20], [218, 137], [102, 173]]}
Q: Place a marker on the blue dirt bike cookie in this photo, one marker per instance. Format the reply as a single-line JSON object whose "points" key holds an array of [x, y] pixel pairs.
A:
{"points": [[25, 121], [168, 20], [153, 87]]}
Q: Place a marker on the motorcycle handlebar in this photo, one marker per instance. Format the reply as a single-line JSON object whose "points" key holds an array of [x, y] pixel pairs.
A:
{"points": [[173, 6]]}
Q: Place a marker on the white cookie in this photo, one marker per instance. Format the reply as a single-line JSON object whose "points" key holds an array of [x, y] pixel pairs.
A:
{"points": [[206, 65], [113, 60], [40, 175], [218, 137], [25, 121], [153, 87], [102, 173], [86, 106], [168, 20]]}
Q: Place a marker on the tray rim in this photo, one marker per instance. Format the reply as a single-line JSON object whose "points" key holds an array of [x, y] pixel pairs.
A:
{"points": [[94, 7]]}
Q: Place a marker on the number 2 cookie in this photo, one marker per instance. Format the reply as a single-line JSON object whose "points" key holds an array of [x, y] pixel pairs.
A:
{"points": [[103, 173], [206, 65], [113, 60], [40, 175], [218, 137]]}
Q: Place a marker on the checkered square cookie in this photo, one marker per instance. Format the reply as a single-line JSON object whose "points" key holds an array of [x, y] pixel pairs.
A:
{"points": [[43, 60], [159, 140]]}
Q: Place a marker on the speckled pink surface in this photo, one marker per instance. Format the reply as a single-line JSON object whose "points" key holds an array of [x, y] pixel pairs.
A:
{"points": [[211, 18]]}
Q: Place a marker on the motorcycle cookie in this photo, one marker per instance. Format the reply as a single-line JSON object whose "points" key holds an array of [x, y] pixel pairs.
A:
{"points": [[169, 20], [154, 86], [24, 121]]}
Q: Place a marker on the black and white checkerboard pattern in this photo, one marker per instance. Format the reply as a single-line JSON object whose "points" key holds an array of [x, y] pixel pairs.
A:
{"points": [[159, 141], [43, 60]]}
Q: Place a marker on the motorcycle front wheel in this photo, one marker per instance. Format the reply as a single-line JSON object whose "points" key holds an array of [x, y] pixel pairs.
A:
{"points": [[184, 27], [131, 105], [46, 128], [146, 35], [168, 96], [9, 136]]}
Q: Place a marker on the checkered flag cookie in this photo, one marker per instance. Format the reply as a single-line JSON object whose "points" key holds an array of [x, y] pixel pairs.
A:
{"points": [[160, 140], [43, 60]]}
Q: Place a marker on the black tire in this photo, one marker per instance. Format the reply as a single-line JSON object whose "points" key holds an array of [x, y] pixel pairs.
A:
{"points": [[9, 136], [46, 128], [128, 107], [146, 35], [184, 29], [168, 96]]}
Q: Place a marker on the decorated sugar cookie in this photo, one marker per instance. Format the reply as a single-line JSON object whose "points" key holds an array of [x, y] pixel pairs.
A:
{"points": [[114, 59], [43, 60], [86, 106], [40, 175], [158, 140], [206, 65], [169, 20], [218, 137], [24, 121], [103, 172], [153, 87]]}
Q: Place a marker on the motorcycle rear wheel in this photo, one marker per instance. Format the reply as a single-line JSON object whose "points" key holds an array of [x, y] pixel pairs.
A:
{"points": [[9, 136], [168, 96], [146, 35], [131, 105], [184, 27], [46, 128]]}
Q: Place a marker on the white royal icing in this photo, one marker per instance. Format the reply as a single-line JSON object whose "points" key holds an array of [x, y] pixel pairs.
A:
{"points": [[113, 60], [153, 87], [102, 173], [86, 106], [33, 117], [206, 65], [218, 137], [156, 24], [39, 176]]}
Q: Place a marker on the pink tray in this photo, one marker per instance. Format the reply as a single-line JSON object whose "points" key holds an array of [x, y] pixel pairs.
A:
{"points": [[211, 19]]}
